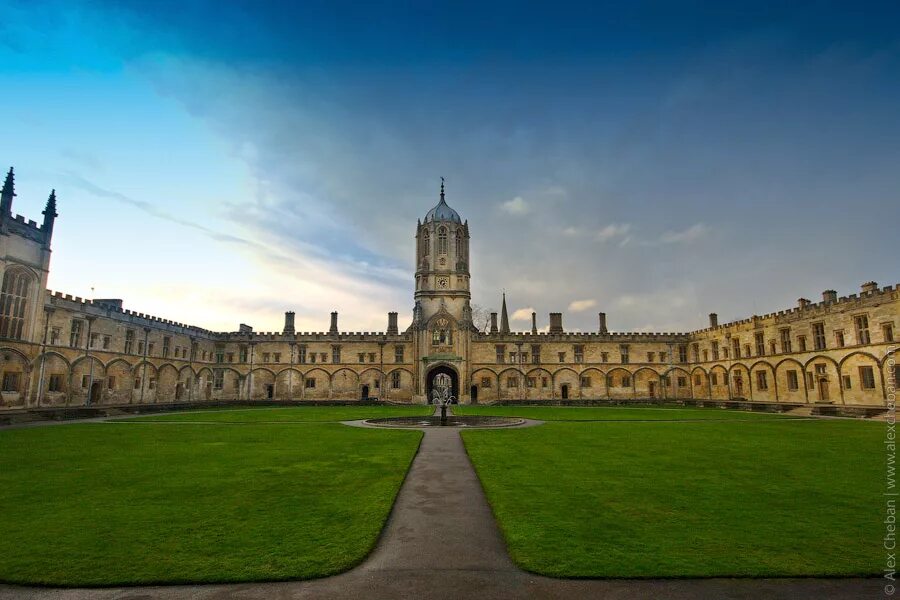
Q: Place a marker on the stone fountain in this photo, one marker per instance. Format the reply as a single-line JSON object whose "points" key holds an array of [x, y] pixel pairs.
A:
{"points": [[442, 394]]}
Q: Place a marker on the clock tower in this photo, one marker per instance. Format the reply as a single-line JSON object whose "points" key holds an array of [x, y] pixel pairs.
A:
{"points": [[442, 265]]}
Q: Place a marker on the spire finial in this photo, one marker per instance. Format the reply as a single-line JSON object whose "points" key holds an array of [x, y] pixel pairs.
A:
{"points": [[51, 204], [504, 316], [442, 189], [9, 185]]}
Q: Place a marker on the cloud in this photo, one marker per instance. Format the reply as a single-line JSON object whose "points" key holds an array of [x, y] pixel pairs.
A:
{"points": [[581, 305], [612, 231], [153, 210], [517, 206], [686, 236], [350, 151], [522, 314]]}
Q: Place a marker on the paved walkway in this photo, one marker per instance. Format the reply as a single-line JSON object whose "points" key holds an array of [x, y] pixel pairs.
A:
{"points": [[441, 541]]}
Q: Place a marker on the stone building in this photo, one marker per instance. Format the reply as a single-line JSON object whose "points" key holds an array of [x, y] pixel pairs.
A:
{"points": [[59, 350]]}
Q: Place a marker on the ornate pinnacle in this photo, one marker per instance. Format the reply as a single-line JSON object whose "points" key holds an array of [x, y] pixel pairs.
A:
{"points": [[9, 185]]}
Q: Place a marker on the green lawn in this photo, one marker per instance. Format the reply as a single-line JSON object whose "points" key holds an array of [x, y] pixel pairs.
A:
{"points": [[132, 503], [777, 497], [292, 413], [612, 413]]}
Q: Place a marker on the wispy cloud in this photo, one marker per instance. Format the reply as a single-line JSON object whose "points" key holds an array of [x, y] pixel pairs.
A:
{"points": [[517, 206], [685, 236], [613, 231], [522, 314], [153, 210], [581, 305]]}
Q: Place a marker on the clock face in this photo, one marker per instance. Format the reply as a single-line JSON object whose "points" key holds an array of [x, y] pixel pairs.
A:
{"points": [[443, 282]]}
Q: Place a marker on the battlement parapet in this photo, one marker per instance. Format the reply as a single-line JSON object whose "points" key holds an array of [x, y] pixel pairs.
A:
{"points": [[581, 336], [315, 336], [26, 228], [812, 310], [89, 308]]}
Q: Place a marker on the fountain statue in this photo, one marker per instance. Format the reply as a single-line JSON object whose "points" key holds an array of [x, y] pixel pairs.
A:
{"points": [[442, 394]]}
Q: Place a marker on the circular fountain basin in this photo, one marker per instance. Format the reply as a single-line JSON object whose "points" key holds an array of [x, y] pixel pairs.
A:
{"points": [[452, 421]]}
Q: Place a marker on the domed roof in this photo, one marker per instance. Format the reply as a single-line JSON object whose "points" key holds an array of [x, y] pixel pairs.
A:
{"points": [[442, 212]]}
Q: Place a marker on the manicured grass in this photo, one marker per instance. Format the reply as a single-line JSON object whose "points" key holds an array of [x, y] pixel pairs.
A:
{"points": [[137, 503], [778, 497], [293, 413], [612, 413]]}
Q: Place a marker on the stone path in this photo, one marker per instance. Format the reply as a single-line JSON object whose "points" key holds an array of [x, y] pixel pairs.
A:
{"points": [[441, 541]]}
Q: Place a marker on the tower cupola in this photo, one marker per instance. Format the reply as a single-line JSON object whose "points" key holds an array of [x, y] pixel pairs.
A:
{"points": [[442, 212]]}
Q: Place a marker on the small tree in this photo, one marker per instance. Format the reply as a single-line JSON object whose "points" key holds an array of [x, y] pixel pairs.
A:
{"points": [[481, 317]]}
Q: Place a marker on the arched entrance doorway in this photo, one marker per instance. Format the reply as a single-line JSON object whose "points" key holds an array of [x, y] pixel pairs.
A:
{"points": [[473, 394], [565, 391], [454, 381], [364, 393]]}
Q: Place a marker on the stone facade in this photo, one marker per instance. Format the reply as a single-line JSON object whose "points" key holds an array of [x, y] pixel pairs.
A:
{"points": [[59, 350]]}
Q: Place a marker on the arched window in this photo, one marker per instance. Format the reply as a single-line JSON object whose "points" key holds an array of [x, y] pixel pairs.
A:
{"points": [[461, 257], [426, 241], [13, 298], [441, 336], [442, 240]]}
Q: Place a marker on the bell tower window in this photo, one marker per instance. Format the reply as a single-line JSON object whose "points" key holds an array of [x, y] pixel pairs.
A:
{"points": [[442, 240], [426, 241]]}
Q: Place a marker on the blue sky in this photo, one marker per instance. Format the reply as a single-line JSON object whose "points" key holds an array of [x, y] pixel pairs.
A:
{"points": [[221, 162]]}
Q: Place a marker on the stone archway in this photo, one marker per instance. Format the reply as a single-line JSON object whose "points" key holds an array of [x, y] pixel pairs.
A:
{"points": [[447, 370]]}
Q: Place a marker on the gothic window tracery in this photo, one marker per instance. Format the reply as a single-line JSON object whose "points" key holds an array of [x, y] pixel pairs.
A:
{"points": [[442, 240], [13, 300], [460, 250], [441, 334]]}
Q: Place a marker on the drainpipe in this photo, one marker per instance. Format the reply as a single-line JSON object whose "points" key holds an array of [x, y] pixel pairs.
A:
{"points": [[40, 391], [144, 370], [291, 372], [250, 374], [191, 371], [87, 354]]}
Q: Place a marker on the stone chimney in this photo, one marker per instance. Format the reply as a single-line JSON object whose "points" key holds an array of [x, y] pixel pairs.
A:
{"points": [[289, 322], [334, 325], [534, 323], [602, 317], [556, 323], [392, 324], [829, 296], [802, 303], [493, 322], [869, 287], [713, 320]]}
